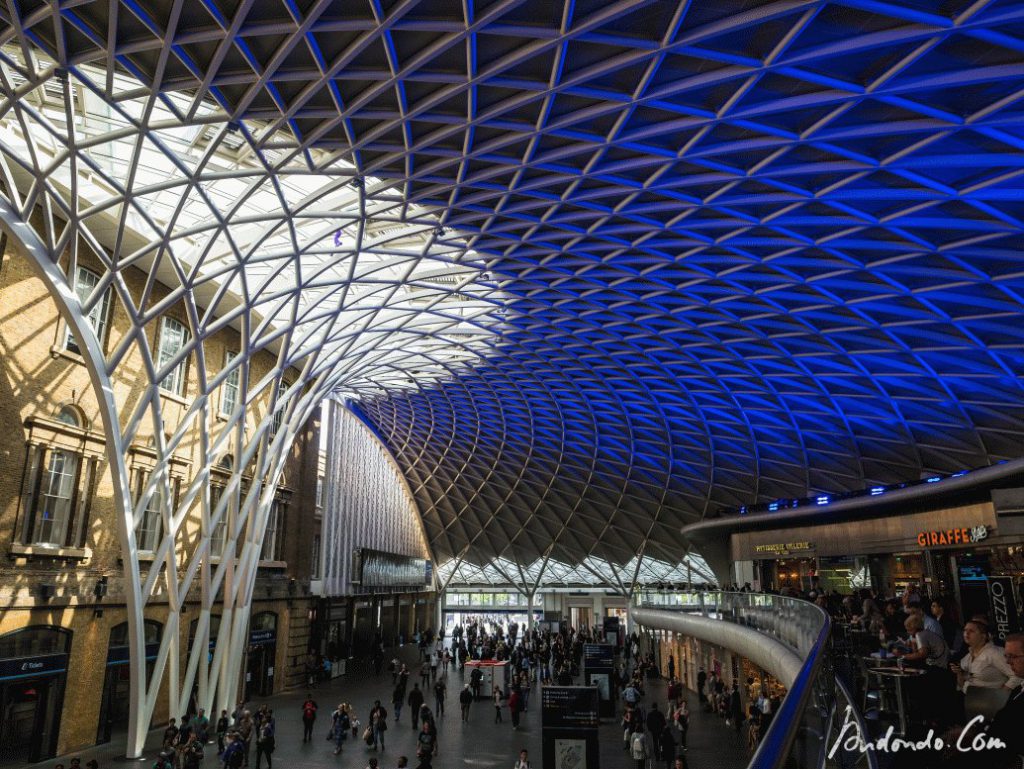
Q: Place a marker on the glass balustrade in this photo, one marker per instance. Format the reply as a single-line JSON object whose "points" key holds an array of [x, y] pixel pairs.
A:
{"points": [[808, 730]]}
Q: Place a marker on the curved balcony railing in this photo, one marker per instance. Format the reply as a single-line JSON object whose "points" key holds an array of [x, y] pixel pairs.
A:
{"points": [[808, 730]]}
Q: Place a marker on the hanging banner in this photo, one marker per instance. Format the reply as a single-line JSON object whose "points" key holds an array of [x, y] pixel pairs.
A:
{"points": [[1003, 602]]}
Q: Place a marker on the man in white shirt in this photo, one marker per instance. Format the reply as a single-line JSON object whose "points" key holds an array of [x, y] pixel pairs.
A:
{"points": [[523, 761]]}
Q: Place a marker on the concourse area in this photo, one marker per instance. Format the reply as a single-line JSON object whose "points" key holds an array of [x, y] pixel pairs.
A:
{"points": [[652, 368]]}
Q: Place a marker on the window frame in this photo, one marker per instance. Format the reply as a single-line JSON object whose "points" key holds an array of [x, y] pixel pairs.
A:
{"points": [[46, 440], [176, 381], [232, 383], [98, 317]]}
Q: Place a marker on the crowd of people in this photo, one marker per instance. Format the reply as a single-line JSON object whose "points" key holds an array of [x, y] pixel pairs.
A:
{"points": [[968, 679]]}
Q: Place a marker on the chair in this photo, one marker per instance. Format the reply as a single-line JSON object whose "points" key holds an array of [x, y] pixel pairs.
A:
{"points": [[979, 701]]}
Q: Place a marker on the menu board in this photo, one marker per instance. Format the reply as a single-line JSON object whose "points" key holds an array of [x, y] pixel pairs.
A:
{"points": [[598, 656], [573, 707]]}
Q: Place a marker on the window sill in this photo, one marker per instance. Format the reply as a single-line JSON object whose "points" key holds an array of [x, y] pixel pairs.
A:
{"points": [[273, 565], [146, 555], [173, 397], [51, 551], [60, 352]]}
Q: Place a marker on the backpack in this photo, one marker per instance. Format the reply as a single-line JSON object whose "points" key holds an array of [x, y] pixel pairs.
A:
{"points": [[637, 747]]}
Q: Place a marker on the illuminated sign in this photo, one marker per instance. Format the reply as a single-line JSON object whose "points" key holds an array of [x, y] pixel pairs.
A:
{"points": [[784, 548], [961, 536]]}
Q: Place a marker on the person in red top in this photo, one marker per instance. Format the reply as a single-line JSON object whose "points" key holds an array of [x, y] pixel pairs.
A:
{"points": [[308, 717], [513, 707]]}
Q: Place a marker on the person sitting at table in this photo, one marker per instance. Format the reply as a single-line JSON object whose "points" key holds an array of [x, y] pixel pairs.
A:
{"points": [[893, 620], [950, 629], [1005, 726], [983, 667], [928, 648]]}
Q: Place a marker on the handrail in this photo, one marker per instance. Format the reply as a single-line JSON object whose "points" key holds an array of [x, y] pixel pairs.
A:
{"points": [[810, 712]]}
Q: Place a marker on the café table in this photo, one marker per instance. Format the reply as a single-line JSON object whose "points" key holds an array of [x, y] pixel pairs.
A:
{"points": [[899, 677]]}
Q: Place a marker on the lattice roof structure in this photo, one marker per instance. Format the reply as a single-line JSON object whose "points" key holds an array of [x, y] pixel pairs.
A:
{"points": [[637, 260], [747, 250]]}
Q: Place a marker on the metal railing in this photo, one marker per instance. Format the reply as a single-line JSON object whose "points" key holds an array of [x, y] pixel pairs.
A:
{"points": [[807, 732]]}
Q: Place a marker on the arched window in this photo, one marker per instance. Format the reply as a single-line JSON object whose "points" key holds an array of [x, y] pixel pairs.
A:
{"points": [[152, 629], [70, 415], [35, 641]]}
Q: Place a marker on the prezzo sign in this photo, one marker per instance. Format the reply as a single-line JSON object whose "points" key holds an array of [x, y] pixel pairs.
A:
{"points": [[961, 536], [1004, 606]]}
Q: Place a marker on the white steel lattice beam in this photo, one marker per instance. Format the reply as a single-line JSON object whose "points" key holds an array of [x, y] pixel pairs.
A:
{"points": [[319, 270]]}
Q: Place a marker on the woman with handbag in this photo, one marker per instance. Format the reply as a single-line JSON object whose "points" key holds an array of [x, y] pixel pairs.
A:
{"points": [[339, 728]]}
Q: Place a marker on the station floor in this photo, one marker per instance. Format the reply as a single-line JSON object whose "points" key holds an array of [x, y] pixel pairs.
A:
{"points": [[480, 743]]}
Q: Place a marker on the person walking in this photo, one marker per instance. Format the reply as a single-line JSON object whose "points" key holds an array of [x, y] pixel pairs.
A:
{"points": [[340, 723], [513, 708], [245, 732], [192, 753], [465, 699], [266, 741], [682, 721], [222, 730], [445, 660], [639, 748], [308, 717], [426, 741], [435, 660], [440, 693], [655, 725], [497, 705], [397, 700], [233, 755], [415, 700], [201, 726], [667, 748], [736, 708], [170, 734], [378, 723]]}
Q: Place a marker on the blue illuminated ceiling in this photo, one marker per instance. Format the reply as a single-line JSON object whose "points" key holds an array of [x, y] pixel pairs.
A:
{"points": [[747, 250]]}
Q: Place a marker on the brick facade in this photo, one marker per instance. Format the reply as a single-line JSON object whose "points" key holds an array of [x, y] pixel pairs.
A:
{"points": [[38, 378]]}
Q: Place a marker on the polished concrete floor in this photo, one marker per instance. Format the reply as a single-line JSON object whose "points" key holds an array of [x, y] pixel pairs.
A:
{"points": [[480, 743]]}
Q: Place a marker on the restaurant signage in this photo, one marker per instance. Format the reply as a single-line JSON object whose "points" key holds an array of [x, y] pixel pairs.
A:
{"points": [[1004, 606], [784, 548], [961, 536]]}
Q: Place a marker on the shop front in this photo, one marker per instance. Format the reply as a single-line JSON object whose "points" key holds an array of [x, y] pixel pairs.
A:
{"points": [[939, 551], [115, 698], [259, 671], [33, 673]]}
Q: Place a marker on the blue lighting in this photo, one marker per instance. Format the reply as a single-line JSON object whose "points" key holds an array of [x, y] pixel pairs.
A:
{"points": [[934, 479], [823, 500], [876, 490], [773, 507]]}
